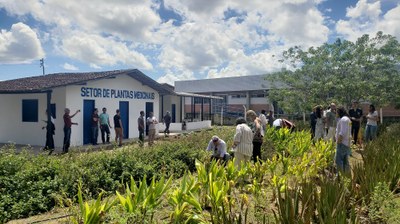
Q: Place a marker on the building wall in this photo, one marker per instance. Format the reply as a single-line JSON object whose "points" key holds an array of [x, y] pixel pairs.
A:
{"points": [[12, 129], [168, 101], [122, 82]]}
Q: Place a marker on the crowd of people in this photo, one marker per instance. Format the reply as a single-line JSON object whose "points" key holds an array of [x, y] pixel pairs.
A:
{"points": [[248, 138], [324, 123], [343, 127], [102, 122], [332, 124]]}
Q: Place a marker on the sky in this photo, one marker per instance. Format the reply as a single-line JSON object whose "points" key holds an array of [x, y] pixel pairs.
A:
{"points": [[171, 40]]}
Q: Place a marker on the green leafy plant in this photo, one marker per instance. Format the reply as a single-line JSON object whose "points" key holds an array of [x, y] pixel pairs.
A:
{"points": [[92, 213], [143, 200]]}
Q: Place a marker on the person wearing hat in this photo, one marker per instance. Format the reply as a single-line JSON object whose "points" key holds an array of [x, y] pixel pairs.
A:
{"points": [[242, 142], [218, 146]]}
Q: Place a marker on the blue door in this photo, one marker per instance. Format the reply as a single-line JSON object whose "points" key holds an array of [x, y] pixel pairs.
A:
{"points": [[149, 108], [124, 110], [173, 108], [88, 107]]}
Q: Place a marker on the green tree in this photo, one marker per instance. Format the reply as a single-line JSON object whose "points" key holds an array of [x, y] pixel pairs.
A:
{"points": [[366, 70]]}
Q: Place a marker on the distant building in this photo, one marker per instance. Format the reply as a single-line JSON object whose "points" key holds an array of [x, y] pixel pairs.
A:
{"points": [[237, 92]]}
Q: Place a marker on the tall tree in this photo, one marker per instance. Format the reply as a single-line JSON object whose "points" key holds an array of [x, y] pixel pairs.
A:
{"points": [[366, 70]]}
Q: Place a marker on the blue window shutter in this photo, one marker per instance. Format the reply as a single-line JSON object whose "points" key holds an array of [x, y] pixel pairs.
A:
{"points": [[30, 110]]}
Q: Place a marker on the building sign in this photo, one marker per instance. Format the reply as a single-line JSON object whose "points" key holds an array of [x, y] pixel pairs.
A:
{"points": [[115, 93]]}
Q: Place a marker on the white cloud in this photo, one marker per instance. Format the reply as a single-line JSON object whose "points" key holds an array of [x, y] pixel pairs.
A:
{"points": [[170, 77], [364, 9], [68, 66], [19, 45], [209, 44], [97, 50], [367, 18], [216, 38]]}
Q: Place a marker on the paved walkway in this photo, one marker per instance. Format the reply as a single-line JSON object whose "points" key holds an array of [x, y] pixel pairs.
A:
{"points": [[35, 149]]}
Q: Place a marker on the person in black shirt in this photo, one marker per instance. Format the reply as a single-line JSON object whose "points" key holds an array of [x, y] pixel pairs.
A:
{"points": [[167, 121], [140, 121], [313, 122], [50, 131], [118, 128], [355, 114], [95, 126]]}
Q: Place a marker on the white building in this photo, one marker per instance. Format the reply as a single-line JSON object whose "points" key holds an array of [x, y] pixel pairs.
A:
{"points": [[24, 102]]}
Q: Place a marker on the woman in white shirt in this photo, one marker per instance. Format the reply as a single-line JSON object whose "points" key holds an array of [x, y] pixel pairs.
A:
{"points": [[372, 124]]}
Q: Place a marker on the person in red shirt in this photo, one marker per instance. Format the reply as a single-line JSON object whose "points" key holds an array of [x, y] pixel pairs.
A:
{"points": [[67, 128]]}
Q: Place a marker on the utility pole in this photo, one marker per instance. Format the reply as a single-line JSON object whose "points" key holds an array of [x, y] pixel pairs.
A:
{"points": [[42, 64]]}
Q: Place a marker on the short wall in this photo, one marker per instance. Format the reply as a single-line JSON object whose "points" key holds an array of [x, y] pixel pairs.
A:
{"points": [[177, 127]]}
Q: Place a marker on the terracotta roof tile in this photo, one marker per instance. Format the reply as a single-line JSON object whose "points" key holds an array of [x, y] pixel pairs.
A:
{"points": [[46, 82]]}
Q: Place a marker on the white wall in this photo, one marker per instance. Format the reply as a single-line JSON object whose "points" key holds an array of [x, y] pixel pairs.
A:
{"points": [[259, 100], [236, 100], [168, 101], [190, 126], [12, 129], [122, 82]]}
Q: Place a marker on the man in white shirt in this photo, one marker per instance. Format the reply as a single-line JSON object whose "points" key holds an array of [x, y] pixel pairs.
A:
{"points": [[343, 133], [152, 121], [218, 147], [242, 142]]}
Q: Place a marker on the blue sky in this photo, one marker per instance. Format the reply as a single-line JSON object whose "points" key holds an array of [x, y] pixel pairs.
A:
{"points": [[172, 40]]}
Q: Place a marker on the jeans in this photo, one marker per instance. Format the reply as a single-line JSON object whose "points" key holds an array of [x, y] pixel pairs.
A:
{"points": [[342, 157], [370, 132], [355, 128], [95, 135], [141, 136], [67, 139], [166, 131], [105, 129]]}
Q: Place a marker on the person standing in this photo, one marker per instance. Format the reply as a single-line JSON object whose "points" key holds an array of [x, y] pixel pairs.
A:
{"points": [[331, 122], [118, 128], [242, 142], [372, 124], [258, 133], [319, 125], [343, 138], [67, 128], [152, 121], [50, 131], [105, 126], [355, 114], [270, 118], [313, 122], [264, 120], [95, 126], [140, 122], [167, 121]]}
